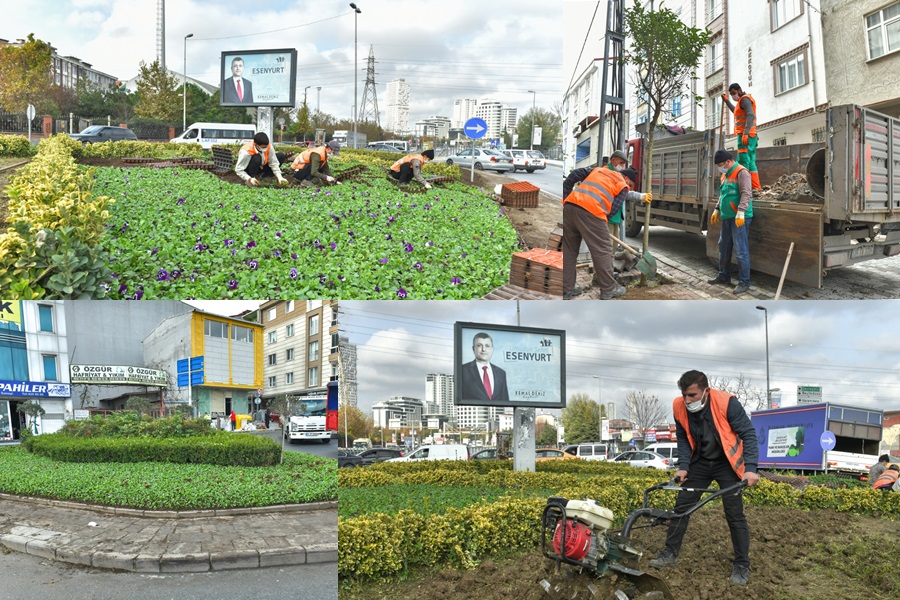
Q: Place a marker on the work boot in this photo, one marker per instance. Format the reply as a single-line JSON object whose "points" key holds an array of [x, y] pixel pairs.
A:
{"points": [[576, 291], [613, 293], [719, 280], [741, 288], [740, 575], [666, 558]]}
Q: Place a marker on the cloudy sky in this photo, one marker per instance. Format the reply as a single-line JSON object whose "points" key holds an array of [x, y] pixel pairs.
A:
{"points": [[848, 348], [444, 50]]}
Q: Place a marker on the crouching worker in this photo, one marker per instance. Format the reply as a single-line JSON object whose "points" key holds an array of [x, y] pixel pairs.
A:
{"points": [[258, 159], [411, 166], [313, 164]]}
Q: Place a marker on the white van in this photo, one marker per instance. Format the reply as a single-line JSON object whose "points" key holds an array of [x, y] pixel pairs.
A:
{"points": [[435, 452], [589, 451], [667, 449], [209, 134]]}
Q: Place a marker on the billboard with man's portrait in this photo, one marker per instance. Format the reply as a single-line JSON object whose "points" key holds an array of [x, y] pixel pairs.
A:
{"points": [[500, 365], [258, 78]]}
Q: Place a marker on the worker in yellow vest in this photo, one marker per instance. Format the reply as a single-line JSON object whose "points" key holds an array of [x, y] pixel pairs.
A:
{"points": [[744, 109], [411, 166], [313, 164], [258, 159]]}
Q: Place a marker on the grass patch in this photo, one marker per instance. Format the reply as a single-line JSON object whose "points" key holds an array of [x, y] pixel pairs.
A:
{"points": [[161, 486], [423, 499]]}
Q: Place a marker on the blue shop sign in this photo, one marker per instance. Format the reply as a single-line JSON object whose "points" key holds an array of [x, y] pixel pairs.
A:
{"points": [[35, 389]]}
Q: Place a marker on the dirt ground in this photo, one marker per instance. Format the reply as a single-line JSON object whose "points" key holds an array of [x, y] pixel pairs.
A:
{"points": [[794, 554]]}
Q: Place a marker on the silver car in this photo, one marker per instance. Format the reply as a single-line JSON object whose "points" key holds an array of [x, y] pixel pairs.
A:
{"points": [[642, 459], [484, 158]]}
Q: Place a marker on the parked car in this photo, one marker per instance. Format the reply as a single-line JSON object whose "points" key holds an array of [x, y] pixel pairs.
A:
{"points": [[484, 159], [383, 147], [374, 455], [103, 133], [589, 451], [349, 460], [528, 160], [542, 454], [642, 459], [667, 449], [435, 452], [487, 453]]}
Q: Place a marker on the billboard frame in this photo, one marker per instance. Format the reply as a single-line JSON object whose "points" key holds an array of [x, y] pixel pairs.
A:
{"points": [[225, 69]]}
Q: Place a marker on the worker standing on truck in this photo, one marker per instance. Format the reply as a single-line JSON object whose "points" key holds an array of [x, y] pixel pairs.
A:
{"points": [[734, 211], [716, 441], [411, 166], [590, 195], [258, 159], [312, 163], [744, 110]]}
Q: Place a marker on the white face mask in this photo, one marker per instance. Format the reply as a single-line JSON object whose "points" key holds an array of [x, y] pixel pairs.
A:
{"points": [[723, 170], [620, 168], [735, 97], [695, 406]]}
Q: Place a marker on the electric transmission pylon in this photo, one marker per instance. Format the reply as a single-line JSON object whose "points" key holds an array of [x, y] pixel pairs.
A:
{"points": [[369, 109]]}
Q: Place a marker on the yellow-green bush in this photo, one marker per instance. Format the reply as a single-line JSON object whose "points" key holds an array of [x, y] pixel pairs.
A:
{"points": [[16, 146], [135, 149]]}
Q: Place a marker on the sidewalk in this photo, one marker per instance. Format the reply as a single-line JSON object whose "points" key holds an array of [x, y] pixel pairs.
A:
{"points": [[170, 541]]}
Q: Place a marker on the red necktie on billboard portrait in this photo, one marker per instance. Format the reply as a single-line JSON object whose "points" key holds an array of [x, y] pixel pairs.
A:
{"points": [[240, 92], [487, 382]]}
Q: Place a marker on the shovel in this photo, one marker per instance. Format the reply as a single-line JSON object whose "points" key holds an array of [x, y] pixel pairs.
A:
{"points": [[646, 263]]}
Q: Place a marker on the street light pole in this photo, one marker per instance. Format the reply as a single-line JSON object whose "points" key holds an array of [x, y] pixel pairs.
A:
{"points": [[533, 100], [318, 97], [599, 408], [355, 68], [768, 385], [184, 83]]}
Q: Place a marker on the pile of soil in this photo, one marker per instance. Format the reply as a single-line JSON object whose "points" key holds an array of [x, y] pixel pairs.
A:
{"points": [[789, 188], [820, 555]]}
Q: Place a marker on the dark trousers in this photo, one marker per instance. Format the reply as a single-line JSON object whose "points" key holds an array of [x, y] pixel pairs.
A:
{"points": [[305, 174], [700, 474], [405, 174], [579, 224], [255, 168]]}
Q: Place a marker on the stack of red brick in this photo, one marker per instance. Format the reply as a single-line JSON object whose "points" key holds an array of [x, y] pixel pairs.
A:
{"points": [[538, 270], [519, 195]]}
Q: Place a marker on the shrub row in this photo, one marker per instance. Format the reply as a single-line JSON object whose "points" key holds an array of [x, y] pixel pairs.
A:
{"points": [[16, 146], [50, 249], [219, 448], [131, 424]]}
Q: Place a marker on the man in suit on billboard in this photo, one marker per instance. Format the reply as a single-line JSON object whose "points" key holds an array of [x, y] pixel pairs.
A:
{"points": [[480, 379], [236, 89]]}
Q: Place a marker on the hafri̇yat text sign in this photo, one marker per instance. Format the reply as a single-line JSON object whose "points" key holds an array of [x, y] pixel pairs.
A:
{"points": [[117, 374]]}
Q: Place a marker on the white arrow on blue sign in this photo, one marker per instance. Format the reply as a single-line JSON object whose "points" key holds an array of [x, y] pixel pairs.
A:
{"points": [[827, 440], [475, 128]]}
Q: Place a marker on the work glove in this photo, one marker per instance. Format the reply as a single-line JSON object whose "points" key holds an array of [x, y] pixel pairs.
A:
{"points": [[648, 197], [330, 179], [725, 97], [714, 218], [253, 182], [745, 140], [427, 186], [282, 181], [739, 218]]}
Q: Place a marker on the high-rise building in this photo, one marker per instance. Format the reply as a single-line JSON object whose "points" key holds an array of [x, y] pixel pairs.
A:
{"points": [[508, 117], [463, 110], [397, 118], [347, 390], [439, 395], [397, 412], [491, 112]]}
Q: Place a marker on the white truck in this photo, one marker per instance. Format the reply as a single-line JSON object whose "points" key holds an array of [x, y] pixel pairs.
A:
{"points": [[309, 419], [345, 138]]}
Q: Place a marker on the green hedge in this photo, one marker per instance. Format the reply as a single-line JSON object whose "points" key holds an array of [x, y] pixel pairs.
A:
{"points": [[16, 146], [219, 448], [131, 424]]}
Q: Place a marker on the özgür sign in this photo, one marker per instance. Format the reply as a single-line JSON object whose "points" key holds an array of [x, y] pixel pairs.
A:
{"points": [[117, 374]]}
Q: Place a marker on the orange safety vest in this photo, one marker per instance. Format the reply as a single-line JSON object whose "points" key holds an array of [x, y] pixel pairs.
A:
{"points": [[408, 158], [250, 148], [303, 158], [740, 117], [886, 479], [731, 443], [596, 192]]}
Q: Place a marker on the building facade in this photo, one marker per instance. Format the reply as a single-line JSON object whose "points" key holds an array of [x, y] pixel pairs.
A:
{"points": [[397, 117], [398, 412], [67, 71], [439, 390], [347, 391], [463, 110]]}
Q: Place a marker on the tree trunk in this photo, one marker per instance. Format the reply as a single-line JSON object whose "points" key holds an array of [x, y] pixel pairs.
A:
{"points": [[648, 177]]}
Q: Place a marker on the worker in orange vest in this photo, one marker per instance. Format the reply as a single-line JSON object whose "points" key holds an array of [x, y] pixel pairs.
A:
{"points": [[744, 110], [590, 195], [716, 441], [411, 166], [313, 164], [887, 480], [258, 159]]}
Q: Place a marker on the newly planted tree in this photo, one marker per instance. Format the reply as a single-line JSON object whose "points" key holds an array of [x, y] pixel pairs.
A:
{"points": [[664, 54]]}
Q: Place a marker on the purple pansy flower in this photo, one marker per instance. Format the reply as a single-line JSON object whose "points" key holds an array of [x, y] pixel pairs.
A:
{"points": [[229, 242], [154, 251], [251, 244], [123, 288], [294, 256], [232, 284], [408, 247], [418, 266], [333, 245], [401, 293], [253, 264], [293, 274], [383, 260], [180, 201], [455, 281], [162, 275]]}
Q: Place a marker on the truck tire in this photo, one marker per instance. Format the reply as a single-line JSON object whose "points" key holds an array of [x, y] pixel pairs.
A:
{"points": [[632, 225], [530, 170], [328, 441]]}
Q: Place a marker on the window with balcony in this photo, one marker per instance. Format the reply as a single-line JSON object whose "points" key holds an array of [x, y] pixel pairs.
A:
{"points": [[713, 111], [713, 10], [790, 73], [883, 31], [784, 11], [714, 57]]}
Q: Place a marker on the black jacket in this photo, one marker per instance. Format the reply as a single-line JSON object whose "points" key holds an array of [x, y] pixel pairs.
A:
{"points": [[740, 424]]}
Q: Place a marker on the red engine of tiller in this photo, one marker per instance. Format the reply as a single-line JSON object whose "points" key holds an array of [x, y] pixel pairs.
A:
{"points": [[578, 539]]}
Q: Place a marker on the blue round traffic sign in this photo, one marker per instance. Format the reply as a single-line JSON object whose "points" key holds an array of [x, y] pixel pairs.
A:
{"points": [[475, 128], [827, 440]]}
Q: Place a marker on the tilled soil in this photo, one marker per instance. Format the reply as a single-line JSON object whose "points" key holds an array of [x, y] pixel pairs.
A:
{"points": [[820, 555]]}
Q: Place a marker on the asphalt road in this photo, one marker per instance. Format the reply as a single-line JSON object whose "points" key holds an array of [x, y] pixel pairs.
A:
{"points": [[28, 577], [310, 447], [550, 179]]}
